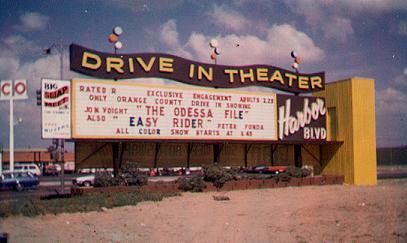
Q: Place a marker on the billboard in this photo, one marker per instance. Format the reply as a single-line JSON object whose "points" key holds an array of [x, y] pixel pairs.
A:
{"points": [[112, 110], [140, 65], [301, 118], [56, 108]]}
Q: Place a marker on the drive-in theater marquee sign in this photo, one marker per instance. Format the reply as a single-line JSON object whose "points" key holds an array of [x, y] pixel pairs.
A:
{"points": [[126, 110]]}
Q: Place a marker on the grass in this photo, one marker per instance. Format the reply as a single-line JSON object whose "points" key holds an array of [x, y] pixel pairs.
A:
{"points": [[34, 207]]}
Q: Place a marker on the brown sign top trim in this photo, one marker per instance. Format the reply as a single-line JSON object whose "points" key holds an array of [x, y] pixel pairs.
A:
{"points": [[127, 66]]}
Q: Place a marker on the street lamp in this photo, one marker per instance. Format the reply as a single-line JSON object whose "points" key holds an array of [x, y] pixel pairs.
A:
{"points": [[59, 47]]}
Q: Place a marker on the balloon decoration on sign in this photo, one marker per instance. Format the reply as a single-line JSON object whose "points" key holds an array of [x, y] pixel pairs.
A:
{"points": [[216, 51], [297, 61], [114, 38]]}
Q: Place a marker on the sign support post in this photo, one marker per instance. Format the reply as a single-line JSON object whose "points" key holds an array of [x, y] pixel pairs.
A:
{"points": [[11, 151], [12, 90], [1, 159]]}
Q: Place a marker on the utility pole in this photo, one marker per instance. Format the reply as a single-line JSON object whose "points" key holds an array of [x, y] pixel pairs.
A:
{"points": [[61, 52], [60, 48], [1, 159]]}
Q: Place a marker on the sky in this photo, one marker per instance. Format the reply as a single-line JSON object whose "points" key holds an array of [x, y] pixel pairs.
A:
{"points": [[342, 38]]}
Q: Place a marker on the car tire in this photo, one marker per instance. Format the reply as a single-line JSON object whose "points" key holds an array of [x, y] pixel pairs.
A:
{"points": [[19, 187], [87, 184]]}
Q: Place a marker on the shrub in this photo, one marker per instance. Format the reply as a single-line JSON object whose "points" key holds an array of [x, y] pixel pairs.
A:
{"points": [[296, 172], [293, 171], [132, 175], [129, 175], [283, 177], [307, 171], [191, 183], [217, 175], [105, 179]]}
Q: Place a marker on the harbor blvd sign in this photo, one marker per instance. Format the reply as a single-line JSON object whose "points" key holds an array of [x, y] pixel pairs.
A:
{"points": [[301, 118]]}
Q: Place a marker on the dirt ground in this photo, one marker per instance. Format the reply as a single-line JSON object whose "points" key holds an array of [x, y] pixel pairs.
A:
{"points": [[307, 214]]}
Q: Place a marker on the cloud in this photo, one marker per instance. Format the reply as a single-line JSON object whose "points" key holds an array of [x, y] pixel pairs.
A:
{"points": [[345, 7], [169, 34], [402, 28], [284, 38], [32, 21], [391, 112], [333, 18], [143, 6], [322, 16], [228, 19], [12, 49], [369, 6], [393, 99], [20, 45], [274, 48], [338, 28], [8, 65]]}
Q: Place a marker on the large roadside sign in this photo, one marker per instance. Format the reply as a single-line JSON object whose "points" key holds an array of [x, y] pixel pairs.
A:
{"points": [[118, 110], [56, 108]]}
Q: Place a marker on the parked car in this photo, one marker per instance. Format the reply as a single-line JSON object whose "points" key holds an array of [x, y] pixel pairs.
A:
{"points": [[265, 169], [93, 170], [32, 168], [18, 181], [52, 169], [254, 169], [55, 168], [274, 169], [85, 180]]}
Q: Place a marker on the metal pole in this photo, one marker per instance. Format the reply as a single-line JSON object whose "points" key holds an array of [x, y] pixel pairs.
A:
{"points": [[1, 159], [61, 52], [11, 151]]}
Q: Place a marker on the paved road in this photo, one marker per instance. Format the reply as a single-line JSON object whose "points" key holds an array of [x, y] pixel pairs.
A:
{"points": [[56, 180], [48, 185]]}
